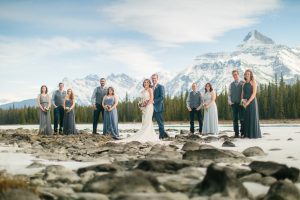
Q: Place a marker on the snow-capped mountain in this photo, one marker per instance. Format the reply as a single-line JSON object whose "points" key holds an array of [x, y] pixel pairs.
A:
{"points": [[256, 52], [83, 88], [122, 83]]}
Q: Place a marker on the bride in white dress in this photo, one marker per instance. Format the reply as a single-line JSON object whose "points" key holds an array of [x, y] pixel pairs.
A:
{"points": [[146, 133]]}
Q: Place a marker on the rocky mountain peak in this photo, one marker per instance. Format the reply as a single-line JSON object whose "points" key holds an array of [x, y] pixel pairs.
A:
{"points": [[255, 37]]}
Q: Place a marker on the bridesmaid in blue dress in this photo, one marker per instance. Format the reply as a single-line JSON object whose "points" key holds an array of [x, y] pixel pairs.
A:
{"points": [[210, 121], [43, 101], [251, 117], [110, 122], [69, 116]]}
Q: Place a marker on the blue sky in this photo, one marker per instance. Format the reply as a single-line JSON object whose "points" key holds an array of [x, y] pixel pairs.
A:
{"points": [[41, 42]]}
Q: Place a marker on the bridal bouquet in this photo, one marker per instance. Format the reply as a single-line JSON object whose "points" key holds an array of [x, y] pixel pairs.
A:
{"points": [[143, 103], [107, 107], [46, 109], [67, 109], [243, 102], [204, 106]]}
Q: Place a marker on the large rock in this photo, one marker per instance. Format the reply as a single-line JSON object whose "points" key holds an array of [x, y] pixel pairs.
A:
{"points": [[99, 168], [254, 151], [279, 171], [216, 155], [282, 190], [191, 172], [91, 196], [18, 194], [268, 180], [129, 182], [164, 155], [151, 196], [176, 183], [190, 146], [255, 177], [162, 166], [220, 180], [58, 173], [57, 193]]}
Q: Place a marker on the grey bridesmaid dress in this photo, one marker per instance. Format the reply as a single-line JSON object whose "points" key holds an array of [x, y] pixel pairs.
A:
{"points": [[110, 122], [69, 120], [251, 117], [45, 117]]}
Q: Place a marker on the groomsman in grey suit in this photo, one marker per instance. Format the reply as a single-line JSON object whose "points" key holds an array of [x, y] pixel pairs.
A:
{"points": [[193, 104], [97, 98], [159, 95], [58, 98], [234, 100]]}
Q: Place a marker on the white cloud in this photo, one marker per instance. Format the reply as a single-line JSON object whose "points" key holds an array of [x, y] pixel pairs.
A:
{"points": [[173, 22], [53, 16], [21, 52], [29, 63]]}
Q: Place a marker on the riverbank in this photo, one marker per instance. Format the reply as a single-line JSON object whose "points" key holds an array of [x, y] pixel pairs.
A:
{"points": [[184, 167]]}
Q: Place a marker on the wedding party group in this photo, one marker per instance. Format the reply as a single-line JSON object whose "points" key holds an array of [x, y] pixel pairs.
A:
{"points": [[241, 98]]}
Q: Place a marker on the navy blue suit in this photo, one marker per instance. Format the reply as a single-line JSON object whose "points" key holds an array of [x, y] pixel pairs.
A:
{"points": [[159, 95]]}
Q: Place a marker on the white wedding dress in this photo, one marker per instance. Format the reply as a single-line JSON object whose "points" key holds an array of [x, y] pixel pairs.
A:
{"points": [[147, 132]]}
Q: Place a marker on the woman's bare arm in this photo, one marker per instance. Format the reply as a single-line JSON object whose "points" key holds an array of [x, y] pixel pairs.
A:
{"points": [[150, 90], [38, 102], [254, 91], [116, 102]]}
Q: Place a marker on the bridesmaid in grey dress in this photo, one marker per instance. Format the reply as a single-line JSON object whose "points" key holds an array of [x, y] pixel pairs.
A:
{"points": [[210, 121], [251, 117], [110, 122], [69, 127], [44, 103]]}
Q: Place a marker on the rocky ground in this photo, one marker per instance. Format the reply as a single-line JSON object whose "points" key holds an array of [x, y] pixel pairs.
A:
{"points": [[184, 167]]}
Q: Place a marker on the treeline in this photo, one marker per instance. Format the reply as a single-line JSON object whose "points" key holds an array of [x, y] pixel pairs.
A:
{"points": [[275, 100]]}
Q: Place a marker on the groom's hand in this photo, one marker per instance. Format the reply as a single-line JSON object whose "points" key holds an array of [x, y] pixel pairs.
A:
{"points": [[189, 109], [94, 107]]}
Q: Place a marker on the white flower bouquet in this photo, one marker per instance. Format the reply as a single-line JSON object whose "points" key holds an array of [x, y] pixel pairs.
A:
{"points": [[143, 103]]}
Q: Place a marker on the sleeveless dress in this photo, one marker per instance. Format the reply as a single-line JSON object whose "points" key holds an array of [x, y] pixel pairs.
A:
{"points": [[69, 120], [45, 117], [210, 121], [110, 121], [251, 117], [147, 132]]}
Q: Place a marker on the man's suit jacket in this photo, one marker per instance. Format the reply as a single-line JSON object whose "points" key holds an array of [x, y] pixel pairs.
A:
{"points": [[159, 95]]}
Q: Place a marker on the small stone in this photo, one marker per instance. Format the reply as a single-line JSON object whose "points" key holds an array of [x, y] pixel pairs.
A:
{"points": [[228, 144], [275, 149], [254, 151]]}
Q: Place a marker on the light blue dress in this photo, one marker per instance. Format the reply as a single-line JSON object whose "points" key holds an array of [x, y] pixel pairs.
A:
{"points": [[210, 121], [110, 122]]}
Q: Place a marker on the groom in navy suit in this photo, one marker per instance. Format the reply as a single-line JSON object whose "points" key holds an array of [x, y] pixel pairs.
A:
{"points": [[159, 95]]}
